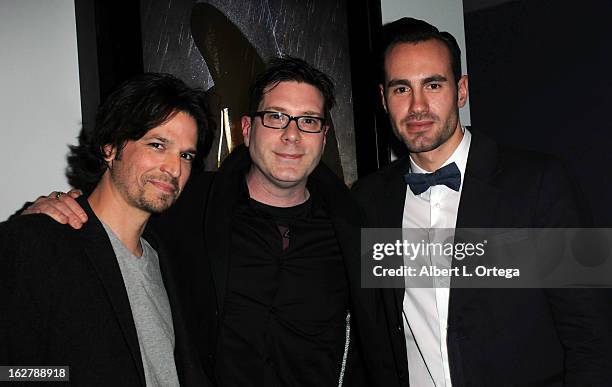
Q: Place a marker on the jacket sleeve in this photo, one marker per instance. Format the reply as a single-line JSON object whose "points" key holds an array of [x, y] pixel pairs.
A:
{"points": [[583, 317], [25, 292]]}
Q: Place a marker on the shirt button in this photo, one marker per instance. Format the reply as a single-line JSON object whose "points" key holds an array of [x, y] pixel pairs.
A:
{"points": [[437, 205], [273, 309]]}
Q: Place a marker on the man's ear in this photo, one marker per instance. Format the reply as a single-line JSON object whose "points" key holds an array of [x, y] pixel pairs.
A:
{"points": [[462, 91], [382, 97], [246, 122], [109, 154]]}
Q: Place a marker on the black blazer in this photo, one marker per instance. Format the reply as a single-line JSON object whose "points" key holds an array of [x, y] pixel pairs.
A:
{"points": [[198, 227], [64, 302], [503, 336]]}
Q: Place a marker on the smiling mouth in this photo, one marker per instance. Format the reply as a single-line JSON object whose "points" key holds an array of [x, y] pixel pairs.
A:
{"points": [[165, 187], [288, 156], [419, 125]]}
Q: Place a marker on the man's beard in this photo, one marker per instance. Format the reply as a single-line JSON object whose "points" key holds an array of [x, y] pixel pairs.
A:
{"points": [[138, 198], [158, 206], [414, 145]]}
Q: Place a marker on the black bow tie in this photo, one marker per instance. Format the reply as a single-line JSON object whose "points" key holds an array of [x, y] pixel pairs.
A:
{"points": [[448, 175]]}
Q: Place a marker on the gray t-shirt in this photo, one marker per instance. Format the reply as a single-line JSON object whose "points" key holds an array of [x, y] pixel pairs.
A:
{"points": [[150, 310]]}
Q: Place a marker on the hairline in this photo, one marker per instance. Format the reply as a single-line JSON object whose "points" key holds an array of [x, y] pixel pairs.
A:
{"points": [[414, 43]]}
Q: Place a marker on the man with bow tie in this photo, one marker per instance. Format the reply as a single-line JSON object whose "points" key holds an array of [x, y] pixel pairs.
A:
{"points": [[454, 178]]}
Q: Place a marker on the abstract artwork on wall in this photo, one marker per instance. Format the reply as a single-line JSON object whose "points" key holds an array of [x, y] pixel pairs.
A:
{"points": [[220, 45]]}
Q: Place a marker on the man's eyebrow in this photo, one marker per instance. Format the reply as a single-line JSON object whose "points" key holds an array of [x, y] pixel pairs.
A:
{"points": [[435, 78], [158, 138], [405, 82], [398, 82], [283, 110], [275, 109], [312, 113]]}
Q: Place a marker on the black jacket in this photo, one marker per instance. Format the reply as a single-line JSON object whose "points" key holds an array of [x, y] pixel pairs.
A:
{"points": [[63, 302], [498, 337]]}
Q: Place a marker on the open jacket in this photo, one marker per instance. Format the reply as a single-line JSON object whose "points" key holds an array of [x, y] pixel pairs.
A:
{"points": [[64, 302], [503, 337]]}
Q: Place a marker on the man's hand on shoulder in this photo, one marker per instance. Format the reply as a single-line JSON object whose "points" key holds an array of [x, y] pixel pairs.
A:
{"points": [[60, 206]]}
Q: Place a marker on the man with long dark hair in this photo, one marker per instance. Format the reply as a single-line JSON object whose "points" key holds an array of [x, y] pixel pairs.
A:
{"points": [[102, 300]]}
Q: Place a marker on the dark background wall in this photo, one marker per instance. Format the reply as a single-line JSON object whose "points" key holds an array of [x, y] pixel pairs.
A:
{"points": [[109, 49], [540, 79]]}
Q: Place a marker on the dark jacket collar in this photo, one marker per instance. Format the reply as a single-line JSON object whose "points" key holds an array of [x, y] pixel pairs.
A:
{"points": [[99, 251], [223, 195], [479, 197], [390, 210]]}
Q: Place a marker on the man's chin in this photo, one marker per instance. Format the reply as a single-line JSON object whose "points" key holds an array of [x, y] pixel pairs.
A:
{"points": [[420, 148], [288, 175], [289, 180], [420, 145], [427, 141], [156, 206]]}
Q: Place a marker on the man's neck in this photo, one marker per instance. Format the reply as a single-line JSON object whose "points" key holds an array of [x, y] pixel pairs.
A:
{"points": [[432, 160], [127, 222], [267, 193]]}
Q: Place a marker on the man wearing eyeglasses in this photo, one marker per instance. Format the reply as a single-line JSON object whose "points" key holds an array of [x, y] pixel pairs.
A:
{"points": [[273, 276], [273, 238]]}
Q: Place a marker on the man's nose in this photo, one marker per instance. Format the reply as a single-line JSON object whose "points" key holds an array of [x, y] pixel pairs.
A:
{"points": [[172, 165], [291, 133], [418, 103]]}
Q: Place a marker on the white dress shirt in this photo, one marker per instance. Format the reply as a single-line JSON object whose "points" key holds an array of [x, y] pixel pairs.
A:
{"points": [[425, 310]]}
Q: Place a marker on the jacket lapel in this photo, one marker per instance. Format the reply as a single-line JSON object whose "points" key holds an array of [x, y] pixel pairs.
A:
{"points": [[478, 208], [479, 198], [189, 371], [391, 210], [390, 205], [100, 252], [224, 193], [344, 214]]}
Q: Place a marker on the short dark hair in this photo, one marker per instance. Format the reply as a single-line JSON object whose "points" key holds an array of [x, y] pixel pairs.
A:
{"points": [[288, 69], [409, 30], [130, 111]]}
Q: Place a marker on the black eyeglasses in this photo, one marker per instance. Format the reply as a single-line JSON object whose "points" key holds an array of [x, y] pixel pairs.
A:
{"points": [[278, 120]]}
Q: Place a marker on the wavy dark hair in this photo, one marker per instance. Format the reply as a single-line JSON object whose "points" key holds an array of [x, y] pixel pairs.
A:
{"points": [[287, 69], [409, 30], [130, 111]]}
